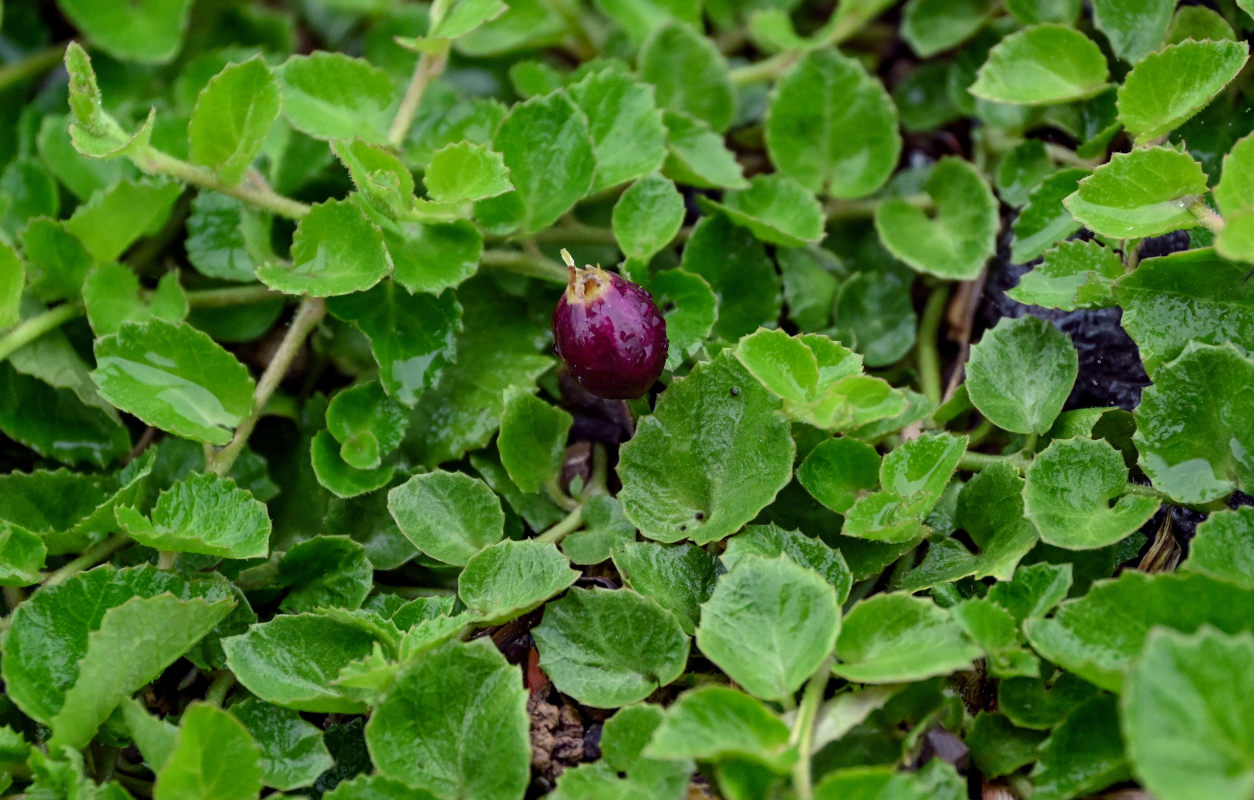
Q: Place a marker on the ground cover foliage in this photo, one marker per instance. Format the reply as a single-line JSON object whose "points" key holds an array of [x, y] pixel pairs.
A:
{"points": [[940, 495]]}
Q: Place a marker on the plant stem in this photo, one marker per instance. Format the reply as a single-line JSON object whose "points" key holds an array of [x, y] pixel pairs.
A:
{"points": [[231, 296], [166, 559], [28, 330], [429, 66], [1205, 215], [574, 233], [866, 207], [155, 162], [569, 524], [926, 348], [803, 729], [31, 66], [310, 313], [974, 462], [90, 557], [525, 264], [222, 683], [559, 498]]}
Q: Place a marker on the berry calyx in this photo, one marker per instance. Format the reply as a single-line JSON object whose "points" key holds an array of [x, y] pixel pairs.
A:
{"points": [[609, 332]]}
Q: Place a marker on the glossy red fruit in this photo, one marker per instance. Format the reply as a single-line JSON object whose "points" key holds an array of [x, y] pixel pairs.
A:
{"points": [[609, 332]]}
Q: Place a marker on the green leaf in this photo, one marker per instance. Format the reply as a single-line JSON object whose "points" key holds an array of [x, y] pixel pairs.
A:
{"points": [[1044, 220], [709, 493], [1186, 297], [1083, 754], [838, 471], [677, 577], [338, 476], [507, 579], [466, 171], [1235, 190], [336, 250], [1038, 705], [990, 511], [769, 624], [810, 285], [413, 336], [325, 572], [895, 637], [1075, 274], [335, 96], [1194, 425], [922, 98], [998, 747], [203, 513], [605, 527], [1224, 547], [647, 216], [958, 237], [449, 713], [377, 787], [690, 74], [66, 429], [777, 209], [832, 126], [232, 117], [113, 218], [697, 155], [1021, 170], [50, 633], [292, 660], [13, 279], [22, 558], [1198, 22], [1080, 638], [434, 257], [1070, 486], [1186, 719], [628, 136], [533, 439], [716, 722], [225, 238], [932, 26], [812, 553], [367, 424], [1030, 12], [462, 17], [1042, 65], [1236, 240], [1020, 374], [736, 266], [548, 149], [381, 178], [449, 516], [149, 31], [874, 314], [1033, 591], [175, 378], [132, 645], [292, 751], [214, 758], [690, 309], [913, 477], [607, 648], [1133, 27], [1141, 193], [112, 295], [1171, 85]]}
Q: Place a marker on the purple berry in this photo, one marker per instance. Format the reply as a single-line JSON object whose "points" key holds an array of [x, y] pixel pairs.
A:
{"points": [[609, 332]]}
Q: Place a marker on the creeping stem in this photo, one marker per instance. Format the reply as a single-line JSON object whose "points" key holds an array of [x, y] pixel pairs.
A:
{"points": [[803, 729], [429, 66]]}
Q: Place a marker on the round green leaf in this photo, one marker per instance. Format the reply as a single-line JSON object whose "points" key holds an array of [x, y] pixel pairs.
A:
{"points": [[449, 516], [325, 572], [336, 250], [838, 471], [607, 648], [895, 637], [450, 713], [769, 624], [465, 171], [1236, 240], [507, 579], [735, 265], [690, 74], [367, 424], [874, 314], [697, 156], [678, 577], [232, 117], [292, 751], [647, 216], [338, 476], [1235, 190], [690, 308], [203, 513], [335, 96], [149, 31], [1042, 65], [214, 758], [1069, 488], [707, 492], [434, 257], [832, 126], [812, 553], [1187, 718], [1195, 425], [933, 26], [1075, 274], [1138, 194], [548, 149], [1020, 374], [532, 442], [714, 722], [1224, 547], [1186, 297], [175, 378], [1171, 85], [1083, 754], [778, 209], [1044, 220], [67, 429], [628, 136], [1198, 22], [958, 237], [1134, 27]]}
